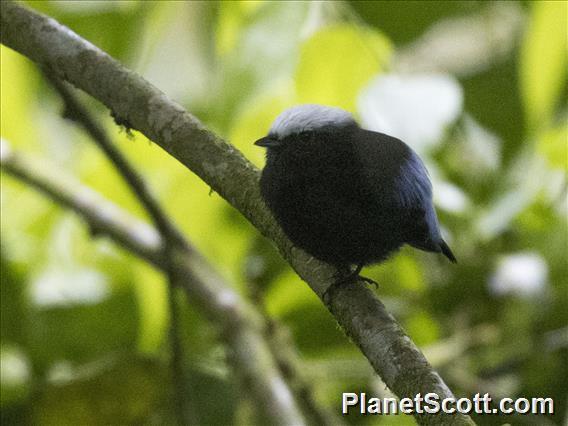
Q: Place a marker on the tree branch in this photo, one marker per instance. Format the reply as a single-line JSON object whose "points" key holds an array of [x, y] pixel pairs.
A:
{"points": [[136, 102], [288, 360], [242, 328], [78, 113], [101, 215], [75, 111]]}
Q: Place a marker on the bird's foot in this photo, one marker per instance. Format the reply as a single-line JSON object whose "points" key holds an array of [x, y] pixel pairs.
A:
{"points": [[353, 276], [369, 281], [342, 279]]}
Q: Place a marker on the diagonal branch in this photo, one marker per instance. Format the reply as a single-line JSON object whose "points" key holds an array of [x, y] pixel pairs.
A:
{"points": [[102, 216], [242, 327], [136, 102], [76, 112]]}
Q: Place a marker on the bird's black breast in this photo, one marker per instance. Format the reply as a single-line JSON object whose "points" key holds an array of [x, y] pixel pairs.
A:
{"points": [[326, 200]]}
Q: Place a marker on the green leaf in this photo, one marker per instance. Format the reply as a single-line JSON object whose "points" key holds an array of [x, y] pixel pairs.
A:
{"points": [[336, 62], [13, 303], [553, 146], [115, 27], [255, 118], [409, 273], [15, 377], [126, 391], [422, 328], [233, 16], [544, 60], [19, 82], [151, 293], [288, 294]]}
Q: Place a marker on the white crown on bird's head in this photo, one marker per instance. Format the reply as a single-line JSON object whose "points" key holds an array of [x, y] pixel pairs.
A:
{"points": [[309, 117]]}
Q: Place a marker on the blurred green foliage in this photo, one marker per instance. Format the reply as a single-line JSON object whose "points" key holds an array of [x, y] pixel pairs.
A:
{"points": [[84, 324]]}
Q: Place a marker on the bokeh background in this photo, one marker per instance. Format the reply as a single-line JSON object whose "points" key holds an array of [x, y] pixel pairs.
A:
{"points": [[477, 88]]}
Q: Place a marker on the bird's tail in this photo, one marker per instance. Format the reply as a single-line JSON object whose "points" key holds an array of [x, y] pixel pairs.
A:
{"points": [[447, 251]]}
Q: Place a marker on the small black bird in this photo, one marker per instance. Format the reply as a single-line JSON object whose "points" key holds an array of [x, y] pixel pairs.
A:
{"points": [[346, 195]]}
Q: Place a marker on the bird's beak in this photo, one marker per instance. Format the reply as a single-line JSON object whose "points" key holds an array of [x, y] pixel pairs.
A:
{"points": [[267, 142]]}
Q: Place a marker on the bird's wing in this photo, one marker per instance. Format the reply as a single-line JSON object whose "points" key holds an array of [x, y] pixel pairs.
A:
{"points": [[412, 184], [400, 184], [394, 172]]}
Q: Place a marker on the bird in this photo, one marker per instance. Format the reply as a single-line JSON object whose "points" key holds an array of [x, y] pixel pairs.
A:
{"points": [[348, 196]]}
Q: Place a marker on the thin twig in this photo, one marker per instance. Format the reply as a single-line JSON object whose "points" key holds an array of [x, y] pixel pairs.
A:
{"points": [[102, 216], [76, 112], [289, 363], [184, 406]]}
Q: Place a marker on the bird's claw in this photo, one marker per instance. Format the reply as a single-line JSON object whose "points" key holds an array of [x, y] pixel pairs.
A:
{"points": [[369, 281], [346, 280]]}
